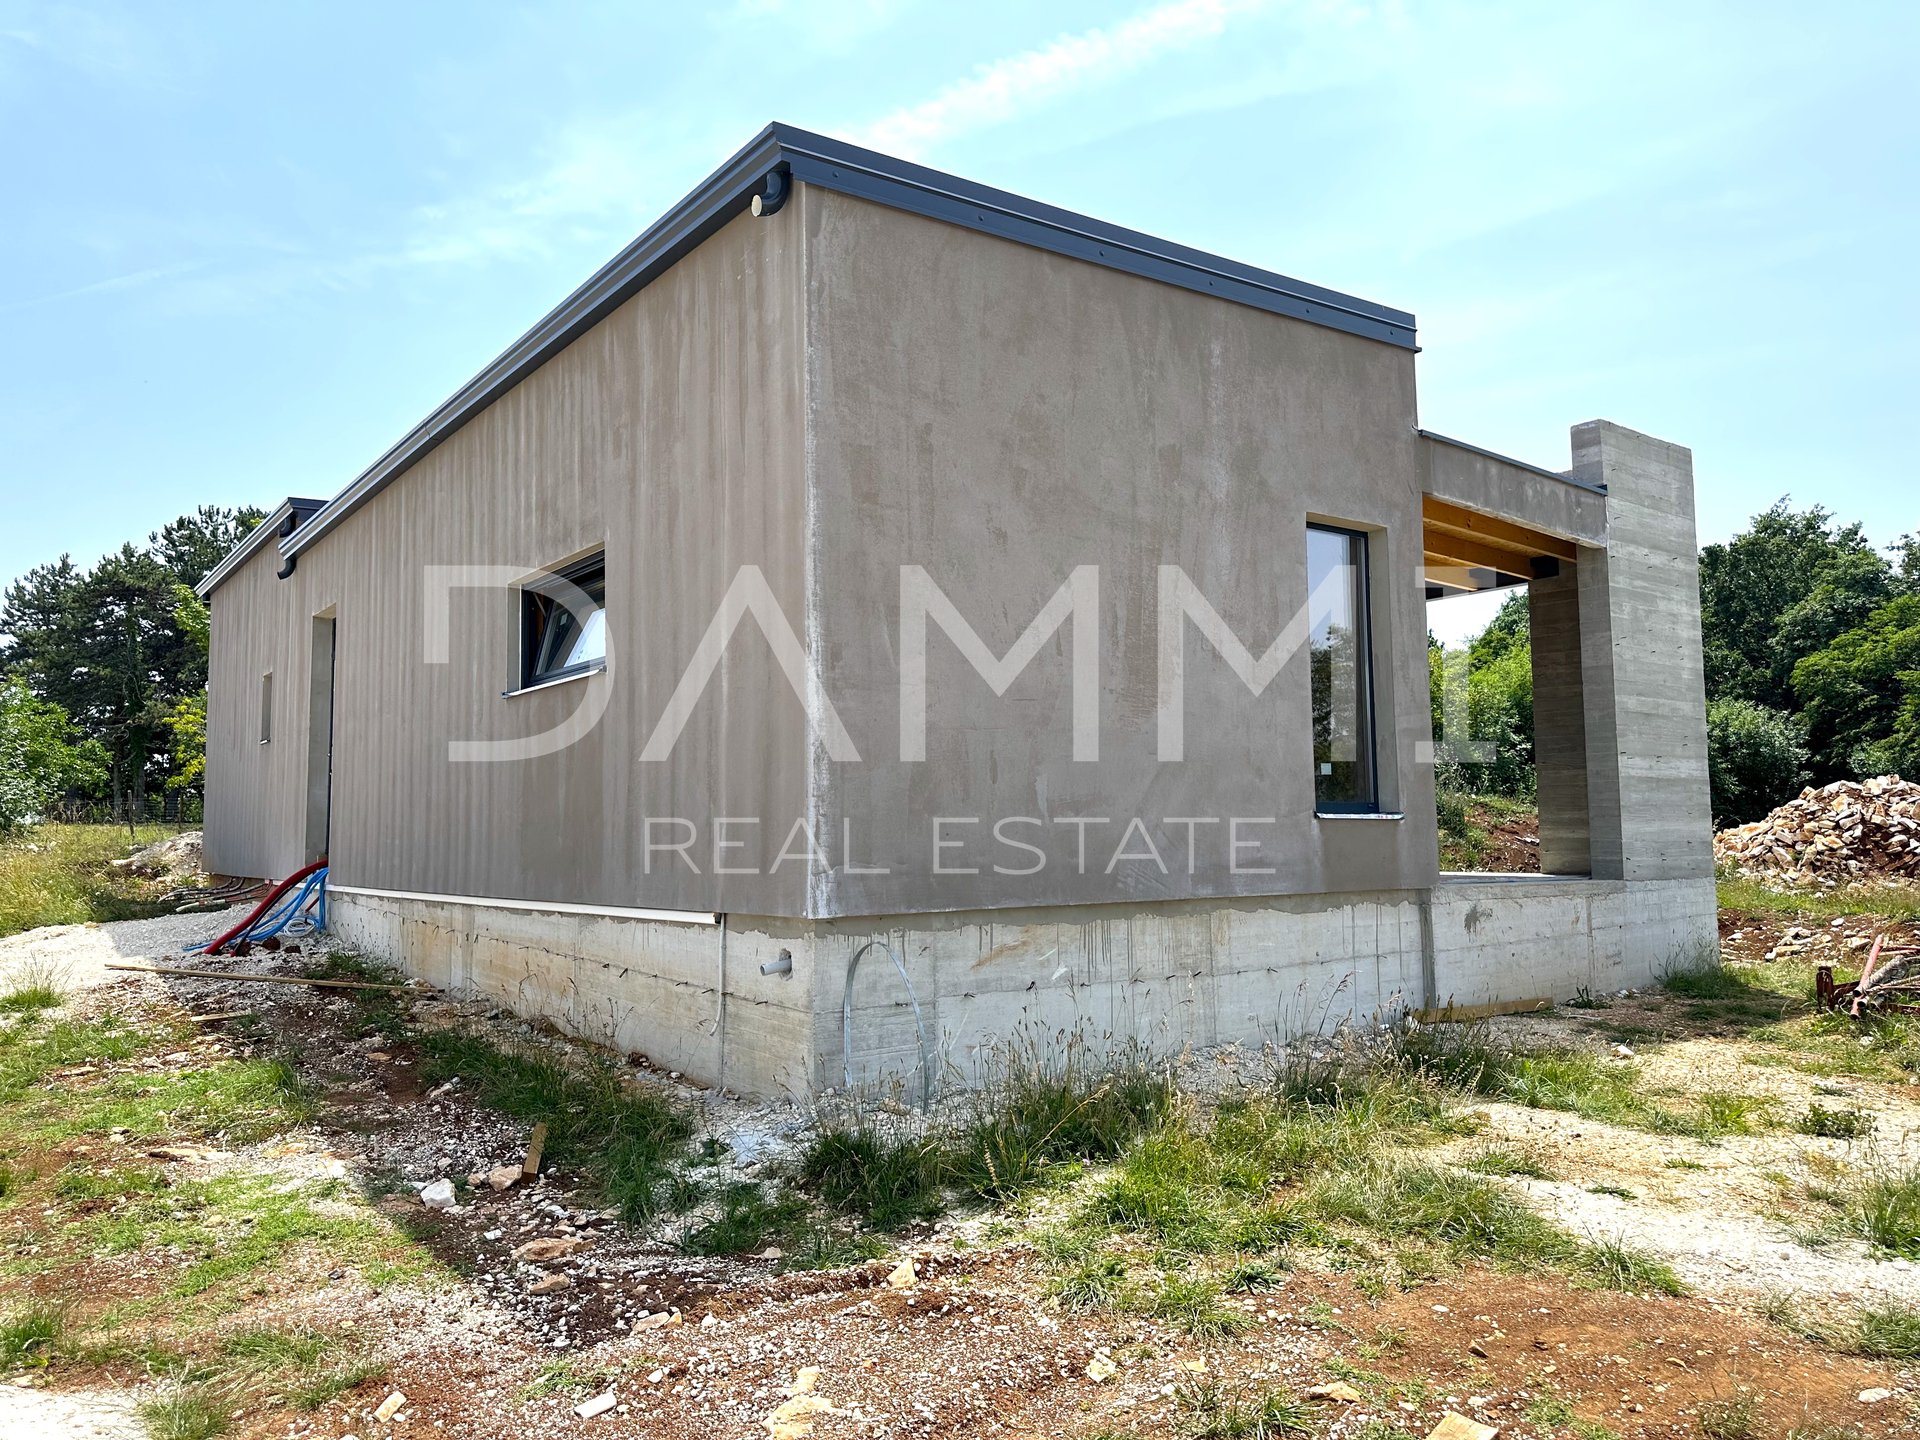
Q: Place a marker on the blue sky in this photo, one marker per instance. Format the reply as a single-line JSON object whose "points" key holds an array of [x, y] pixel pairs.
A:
{"points": [[245, 247]]}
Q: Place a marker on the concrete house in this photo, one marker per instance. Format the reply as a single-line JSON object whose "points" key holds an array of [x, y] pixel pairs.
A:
{"points": [[865, 555]]}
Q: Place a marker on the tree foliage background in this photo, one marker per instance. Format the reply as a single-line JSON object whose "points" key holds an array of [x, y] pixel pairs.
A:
{"points": [[114, 659]]}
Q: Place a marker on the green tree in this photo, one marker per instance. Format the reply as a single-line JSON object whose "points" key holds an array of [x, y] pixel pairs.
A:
{"points": [[1756, 759], [1499, 706], [1786, 586], [194, 544], [43, 756], [119, 647], [1860, 695]]}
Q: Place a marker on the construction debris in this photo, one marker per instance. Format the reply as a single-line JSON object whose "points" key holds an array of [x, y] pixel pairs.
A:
{"points": [[1852, 832]]}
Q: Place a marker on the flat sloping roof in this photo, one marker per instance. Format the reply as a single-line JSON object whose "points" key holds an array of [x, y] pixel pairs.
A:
{"points": [[761, 172]]}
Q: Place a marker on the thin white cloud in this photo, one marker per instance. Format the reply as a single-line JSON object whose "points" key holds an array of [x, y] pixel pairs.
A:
{"points": [[1002, 90]]}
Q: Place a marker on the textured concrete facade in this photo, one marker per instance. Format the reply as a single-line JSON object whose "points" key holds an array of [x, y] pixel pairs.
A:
{"points": [[1642, 676]]}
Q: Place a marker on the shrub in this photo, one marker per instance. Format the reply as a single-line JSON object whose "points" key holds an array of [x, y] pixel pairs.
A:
{"points": [[1756, 758]]}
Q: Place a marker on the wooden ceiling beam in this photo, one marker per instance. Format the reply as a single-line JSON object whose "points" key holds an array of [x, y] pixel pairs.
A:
{"points": [[1488, 530]]}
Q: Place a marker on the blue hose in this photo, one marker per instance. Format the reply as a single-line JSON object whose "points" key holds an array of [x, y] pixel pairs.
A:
{"points": [[312, 894]]}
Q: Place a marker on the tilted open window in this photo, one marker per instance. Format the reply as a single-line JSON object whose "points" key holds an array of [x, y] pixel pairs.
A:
{"points": [[563, 623], [1341, 652]]}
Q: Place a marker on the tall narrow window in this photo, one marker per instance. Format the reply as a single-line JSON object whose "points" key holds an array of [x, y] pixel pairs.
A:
{"points": [[564, 623], [1342, 666], [266, 707]]}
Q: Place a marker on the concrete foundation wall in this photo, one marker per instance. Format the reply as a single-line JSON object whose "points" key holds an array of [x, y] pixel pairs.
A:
{"points": [[1168, 975]]}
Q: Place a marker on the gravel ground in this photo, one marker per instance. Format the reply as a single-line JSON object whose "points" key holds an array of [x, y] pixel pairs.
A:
{"points": [[68, 1415]]}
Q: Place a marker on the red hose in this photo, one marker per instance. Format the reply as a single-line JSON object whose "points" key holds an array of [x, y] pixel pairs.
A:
{"points": [[266, 905]]}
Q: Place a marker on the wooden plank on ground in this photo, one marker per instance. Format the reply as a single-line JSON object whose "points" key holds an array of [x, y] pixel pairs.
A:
{"points": [[1444, 1014]]}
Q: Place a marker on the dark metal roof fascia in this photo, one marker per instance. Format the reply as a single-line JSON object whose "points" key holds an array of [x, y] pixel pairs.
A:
{"points": [[836, 165], [865, 174], [293, 508], [1540, 470]]}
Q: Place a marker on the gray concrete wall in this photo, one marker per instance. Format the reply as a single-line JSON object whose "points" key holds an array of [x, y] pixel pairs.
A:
{"points": [[1166, 976], [672, 434], [1495, 486], [1559, 723], [1642, 677], [1000, 416], [255, 807]]}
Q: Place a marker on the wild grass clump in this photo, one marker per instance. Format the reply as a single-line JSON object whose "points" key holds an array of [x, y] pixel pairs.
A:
{"points": [[1196, 1304], [184, 1412], [1889, 1330], [1217, 1412], [31, 987], [1041, 1109], [1884, 1210], [749, 1219], [886, 1179], [1833, 1124], [29, 1333], [630, 1140], [1615, 1265], [1502, 1160], [1094, 1282], [1036, 1114]]}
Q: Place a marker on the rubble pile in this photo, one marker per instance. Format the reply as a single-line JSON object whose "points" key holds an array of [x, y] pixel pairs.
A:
{"points": [[1852, 832]]}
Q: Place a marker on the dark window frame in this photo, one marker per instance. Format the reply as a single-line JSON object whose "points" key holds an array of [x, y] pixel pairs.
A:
{"points": [[536, 606], [1363, 600]]}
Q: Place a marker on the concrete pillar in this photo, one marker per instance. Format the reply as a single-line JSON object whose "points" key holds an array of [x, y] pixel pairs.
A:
{"points": [[1642, 681], [1559, 723]]}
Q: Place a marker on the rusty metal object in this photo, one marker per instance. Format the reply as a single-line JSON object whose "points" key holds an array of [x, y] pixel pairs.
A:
{"points": [[1889, 982]]}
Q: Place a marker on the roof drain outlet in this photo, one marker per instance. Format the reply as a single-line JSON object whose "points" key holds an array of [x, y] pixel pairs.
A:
{"points": [[287, 526], [773, 194], [846, 1023]]}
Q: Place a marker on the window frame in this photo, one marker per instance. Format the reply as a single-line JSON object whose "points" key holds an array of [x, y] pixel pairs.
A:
{"points": [[533, 593], [266, 707], [1363, 604]]}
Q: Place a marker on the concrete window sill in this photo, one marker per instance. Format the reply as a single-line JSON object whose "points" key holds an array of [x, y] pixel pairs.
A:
{"points": [[1359, 815], [599, 669]]}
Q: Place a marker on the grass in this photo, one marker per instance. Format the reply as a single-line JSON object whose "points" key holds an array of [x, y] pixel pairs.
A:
{"points": [[1195, 1304], [1889, 1330], [60, 875], [29, 1333], [1744, 896], [1884, 1210], [184, 1412], [1215, 1412], [631, 1141], [1039, 1116], [1580, 1082], [1734, 1418], [1502, 1160], [886, 1180], [31, 987], [1340, 1174], [1834, 1124]]}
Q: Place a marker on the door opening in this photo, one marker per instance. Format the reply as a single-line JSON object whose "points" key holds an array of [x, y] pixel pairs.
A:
{"points": [[320, 739]]}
